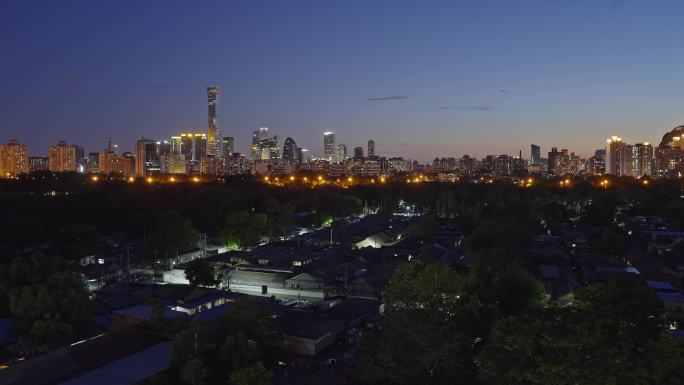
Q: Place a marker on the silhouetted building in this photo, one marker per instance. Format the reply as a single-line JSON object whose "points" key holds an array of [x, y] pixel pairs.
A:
{"points": [[371, 148], [358, 153], [535, 152]]}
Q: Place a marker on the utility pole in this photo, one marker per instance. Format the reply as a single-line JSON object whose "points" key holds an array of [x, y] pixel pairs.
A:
{"points": [[203, 240]]}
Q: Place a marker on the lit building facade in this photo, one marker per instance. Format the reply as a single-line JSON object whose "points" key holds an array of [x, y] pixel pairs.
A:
{"points": [[642, 159], [214, 138], [14, 158], [616, 151], [329, 148], [38, 163], [62, 157], [291, 153], [146, 157]]}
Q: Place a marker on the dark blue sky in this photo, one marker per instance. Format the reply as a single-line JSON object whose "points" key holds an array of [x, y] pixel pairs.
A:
{"points": [[471, 77]]}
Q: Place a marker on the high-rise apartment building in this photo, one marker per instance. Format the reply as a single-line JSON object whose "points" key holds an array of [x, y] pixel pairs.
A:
{"points": [[642, 159], [14, 158], [62, 157], [38, 163], [618, 157], [371, 148], [329, 148], [111, 163], [214, 138]]}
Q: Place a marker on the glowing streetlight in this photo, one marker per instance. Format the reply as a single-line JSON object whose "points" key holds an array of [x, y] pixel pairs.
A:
{"points": [[195, 179], [150, 180], [292, 178], [94, 178]]}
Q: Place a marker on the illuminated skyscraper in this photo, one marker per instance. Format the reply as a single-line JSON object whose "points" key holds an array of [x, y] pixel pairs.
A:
{"points": [[259, 134], [214, 146], [290, 152], [329, 149], [228, 146], [62, 157], [146, 157], [341, 153], [14, 158], [371, 148]]}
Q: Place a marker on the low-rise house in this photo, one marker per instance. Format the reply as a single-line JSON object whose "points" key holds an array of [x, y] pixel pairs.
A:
{"points": [[128, 317], [306, 334]]}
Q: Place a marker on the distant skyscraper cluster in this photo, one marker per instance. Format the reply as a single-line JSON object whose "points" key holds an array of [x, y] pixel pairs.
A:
{"points": [[209, 152]]}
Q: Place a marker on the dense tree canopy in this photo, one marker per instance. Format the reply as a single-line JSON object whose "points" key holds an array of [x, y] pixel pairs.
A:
{"points": [[245, 229], [46, 298], [200, 273], [172, 233]]}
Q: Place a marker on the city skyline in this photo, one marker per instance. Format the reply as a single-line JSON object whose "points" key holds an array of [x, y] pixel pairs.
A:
{"points": [[454, 86]]}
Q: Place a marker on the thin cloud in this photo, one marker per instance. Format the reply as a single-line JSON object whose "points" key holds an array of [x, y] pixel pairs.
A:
{"points": [[469, 108], [161, 86], [393, 97], [403, 144], [71, 79]]}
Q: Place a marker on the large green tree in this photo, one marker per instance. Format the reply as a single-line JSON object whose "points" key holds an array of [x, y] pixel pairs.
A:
{"points": [[46, 298], [200, 273], [171, 233], [429, 334], [612, 334], [245, 229]]}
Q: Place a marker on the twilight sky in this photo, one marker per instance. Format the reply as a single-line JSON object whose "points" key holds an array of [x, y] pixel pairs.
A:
{"points": [[422, 78]]}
